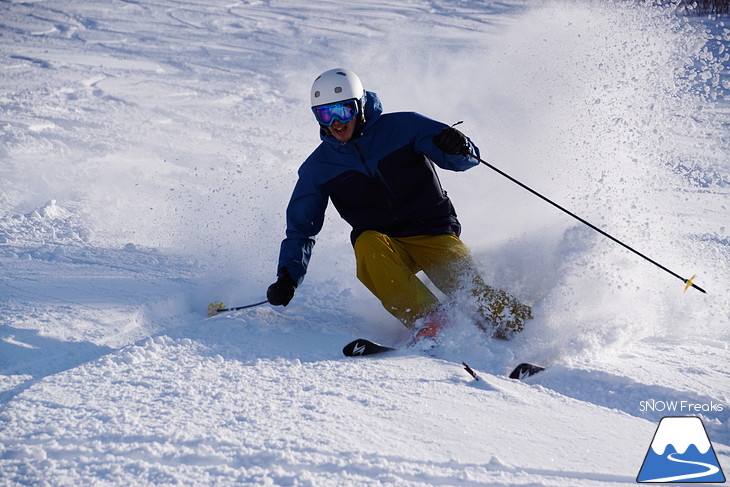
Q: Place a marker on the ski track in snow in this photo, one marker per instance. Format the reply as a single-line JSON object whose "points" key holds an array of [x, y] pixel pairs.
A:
{"points": [[148, 151]]}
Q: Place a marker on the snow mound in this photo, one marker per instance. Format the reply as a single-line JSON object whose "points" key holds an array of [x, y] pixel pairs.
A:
{"points": [[51, 225]]}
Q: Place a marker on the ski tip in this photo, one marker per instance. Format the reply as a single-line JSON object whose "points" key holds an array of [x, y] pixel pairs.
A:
{"points": [[470, 371], [525, 370]]}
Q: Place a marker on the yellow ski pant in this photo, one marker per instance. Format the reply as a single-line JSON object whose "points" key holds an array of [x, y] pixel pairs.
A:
{"points": [[388, 266]]}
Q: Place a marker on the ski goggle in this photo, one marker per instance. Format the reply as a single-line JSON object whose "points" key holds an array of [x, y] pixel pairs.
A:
{"points": [[344, 111]]}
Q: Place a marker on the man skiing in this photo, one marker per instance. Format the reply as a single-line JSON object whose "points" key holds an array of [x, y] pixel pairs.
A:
{"points": [[378, 171]]}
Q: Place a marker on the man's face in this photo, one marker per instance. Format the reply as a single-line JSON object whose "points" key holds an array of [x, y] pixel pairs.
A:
{"points": [[343, 131]]}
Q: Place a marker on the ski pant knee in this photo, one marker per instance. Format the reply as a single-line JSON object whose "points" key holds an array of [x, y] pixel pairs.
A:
{"points": [[387, 266]]}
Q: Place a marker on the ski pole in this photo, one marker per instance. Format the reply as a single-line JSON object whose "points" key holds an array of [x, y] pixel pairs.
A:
{"points": [[688, 282], [217, 307]]}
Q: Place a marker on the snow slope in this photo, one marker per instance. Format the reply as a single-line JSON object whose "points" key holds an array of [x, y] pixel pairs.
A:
{"points": [[148, 151]]}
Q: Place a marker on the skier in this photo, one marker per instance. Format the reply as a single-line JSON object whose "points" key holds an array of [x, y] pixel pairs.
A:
{"points": [[378, 171]]}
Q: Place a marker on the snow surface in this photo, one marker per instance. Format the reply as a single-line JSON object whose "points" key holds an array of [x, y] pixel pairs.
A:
{"points": [[148, 152]]}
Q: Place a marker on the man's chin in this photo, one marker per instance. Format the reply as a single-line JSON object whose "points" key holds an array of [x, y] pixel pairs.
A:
{"points": [[343, 136]]}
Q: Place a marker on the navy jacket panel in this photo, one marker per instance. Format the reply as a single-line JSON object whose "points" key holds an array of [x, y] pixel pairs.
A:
{"points": [[384, 179]]}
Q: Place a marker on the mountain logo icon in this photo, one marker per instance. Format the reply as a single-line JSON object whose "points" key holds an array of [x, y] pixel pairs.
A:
{"points": [[680, 452]]}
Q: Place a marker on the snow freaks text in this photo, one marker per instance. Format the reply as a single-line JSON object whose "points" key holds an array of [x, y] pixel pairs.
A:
{"points": [[682, 407]]}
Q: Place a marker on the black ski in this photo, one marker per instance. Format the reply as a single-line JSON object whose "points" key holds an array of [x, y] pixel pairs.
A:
{"points": [[522, 371], [362, 346], [525, 370]]}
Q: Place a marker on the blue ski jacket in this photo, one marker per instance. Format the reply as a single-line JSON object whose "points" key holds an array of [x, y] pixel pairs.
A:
{"points": [[383, 179]]}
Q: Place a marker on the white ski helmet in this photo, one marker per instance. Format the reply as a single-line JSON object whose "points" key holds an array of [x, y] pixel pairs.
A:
{"points": [[336, 85]]}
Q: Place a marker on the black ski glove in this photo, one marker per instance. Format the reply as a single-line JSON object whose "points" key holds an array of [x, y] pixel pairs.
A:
{"points": [[282, 291], [451, 141]]}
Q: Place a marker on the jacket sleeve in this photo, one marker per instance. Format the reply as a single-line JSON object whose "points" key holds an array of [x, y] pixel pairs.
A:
{"points": [[426, 129], [304, 220]]}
